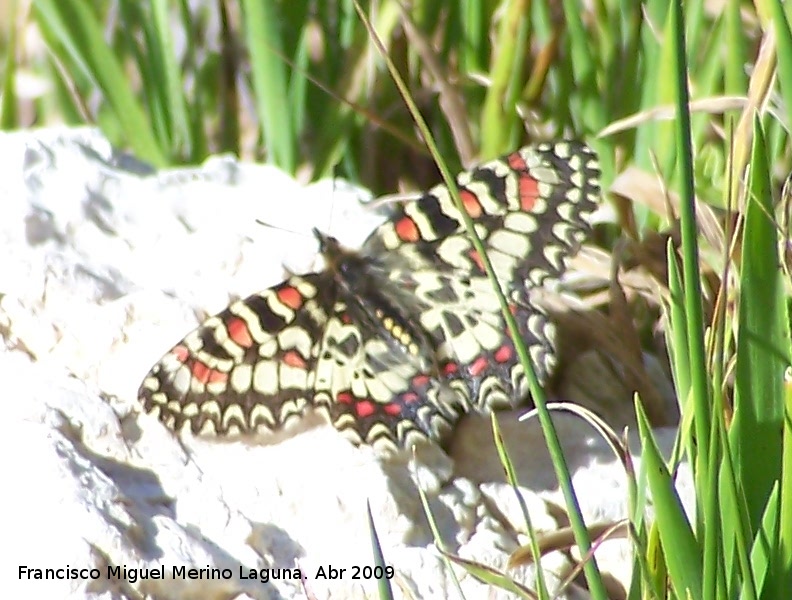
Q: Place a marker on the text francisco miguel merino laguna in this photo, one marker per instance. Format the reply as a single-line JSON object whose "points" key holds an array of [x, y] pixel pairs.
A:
{"points": [[182, 572], [132, 575]]}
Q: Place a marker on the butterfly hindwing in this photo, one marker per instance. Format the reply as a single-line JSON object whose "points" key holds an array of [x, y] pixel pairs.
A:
{"points": [[377, 396]]}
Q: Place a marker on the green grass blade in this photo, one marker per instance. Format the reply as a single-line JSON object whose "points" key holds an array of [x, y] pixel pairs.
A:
{"points": [[511, 478], [656, 139], [682, 554], [73, 32], [268, 74], [785, 529], [762, 349], [171, 86], [735, 80], [584, 66], [8, 112], [438, 540], [734, 522], [763, 553], [784, 50], [714, 585], [383, 583], [762, 343], [690, 254], [497, 115], [473, 22], [148, 35], [677, 331], [492, 577]]}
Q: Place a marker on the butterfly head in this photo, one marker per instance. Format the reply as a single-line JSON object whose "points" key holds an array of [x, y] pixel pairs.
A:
{"points": [[337, 258]]}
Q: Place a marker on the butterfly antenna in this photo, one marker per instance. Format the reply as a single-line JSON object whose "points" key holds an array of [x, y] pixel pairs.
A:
{"points": [[279, 228]]}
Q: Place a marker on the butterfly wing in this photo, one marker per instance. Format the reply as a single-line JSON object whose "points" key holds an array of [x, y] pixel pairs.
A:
{"points": [[530, 210], [249, 368]]}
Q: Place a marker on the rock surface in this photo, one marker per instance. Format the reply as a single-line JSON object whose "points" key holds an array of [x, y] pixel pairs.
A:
{"points": [[105, 265]]}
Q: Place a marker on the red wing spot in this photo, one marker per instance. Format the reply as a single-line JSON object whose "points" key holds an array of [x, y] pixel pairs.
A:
{"points": [[503, 354], [293, 359], [345, 398], [478, 366], [471, 203], [216, 376], [392, 409], [410, 397], [517, 162], [407, 230], [513, 309], [364, 408], [450, 368], [201, 371], [345, 319], [529, 192], [239, 333], [181, 353], [420, 380], [528, 186], [291, 297], [476, 258]]}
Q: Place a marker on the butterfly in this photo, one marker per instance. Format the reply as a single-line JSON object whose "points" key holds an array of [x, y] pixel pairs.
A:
{"points": [[393, 342]]}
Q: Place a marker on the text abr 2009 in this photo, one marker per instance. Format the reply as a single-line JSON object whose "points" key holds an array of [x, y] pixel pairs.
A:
{"points": [[372, 572]]}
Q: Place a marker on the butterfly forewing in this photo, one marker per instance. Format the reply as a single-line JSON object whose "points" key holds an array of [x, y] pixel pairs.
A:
{"points": [[395, 342]]}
